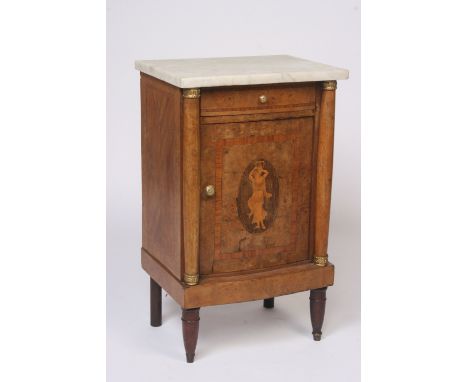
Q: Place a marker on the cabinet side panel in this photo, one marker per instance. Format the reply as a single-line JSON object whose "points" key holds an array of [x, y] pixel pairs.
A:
{"points": [[161, 172]]}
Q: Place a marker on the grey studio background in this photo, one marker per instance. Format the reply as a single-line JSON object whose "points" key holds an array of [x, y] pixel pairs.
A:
{"points": [[239, 341]]}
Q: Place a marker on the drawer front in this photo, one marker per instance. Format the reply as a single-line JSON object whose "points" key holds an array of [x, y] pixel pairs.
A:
{"points": [[257, 100], [258, 216]]}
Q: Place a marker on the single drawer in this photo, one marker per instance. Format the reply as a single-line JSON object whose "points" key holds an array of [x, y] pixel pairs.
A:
{"points": [[257, 99]]}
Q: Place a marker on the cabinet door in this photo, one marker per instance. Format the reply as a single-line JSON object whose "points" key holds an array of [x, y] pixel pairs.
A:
{"points": [[262, 175]]}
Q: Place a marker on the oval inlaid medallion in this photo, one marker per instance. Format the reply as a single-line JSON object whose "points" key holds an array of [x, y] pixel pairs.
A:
{"points": [[257, 200]]}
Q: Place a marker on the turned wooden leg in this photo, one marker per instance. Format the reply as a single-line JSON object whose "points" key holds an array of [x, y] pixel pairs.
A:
{"points": [[190, 320], [317, 311], [269, 303], [155, 303]]}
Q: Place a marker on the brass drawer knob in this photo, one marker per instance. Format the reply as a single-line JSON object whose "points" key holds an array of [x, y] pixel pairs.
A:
{"points": [[263, 98], [209, 190]]}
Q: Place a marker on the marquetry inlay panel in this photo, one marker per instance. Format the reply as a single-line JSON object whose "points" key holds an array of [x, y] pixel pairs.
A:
{"points": [[259, 216]]}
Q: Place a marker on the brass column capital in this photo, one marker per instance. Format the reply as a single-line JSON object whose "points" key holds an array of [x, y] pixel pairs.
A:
{"points": [[329, 85], [191, 93]]}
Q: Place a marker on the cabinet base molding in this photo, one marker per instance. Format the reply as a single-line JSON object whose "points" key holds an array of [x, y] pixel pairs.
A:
{"points": [[218, 290]]}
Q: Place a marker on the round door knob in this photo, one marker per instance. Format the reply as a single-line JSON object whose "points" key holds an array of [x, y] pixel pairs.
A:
{"points": [[209, 190], [263, 98]]}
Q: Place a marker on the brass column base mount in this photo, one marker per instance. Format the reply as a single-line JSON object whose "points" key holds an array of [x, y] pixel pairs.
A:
{"points": [[190, 279], [321, 260]]}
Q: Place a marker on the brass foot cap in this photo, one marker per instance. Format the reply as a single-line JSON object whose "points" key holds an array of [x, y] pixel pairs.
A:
{"points": [[317, 336]]}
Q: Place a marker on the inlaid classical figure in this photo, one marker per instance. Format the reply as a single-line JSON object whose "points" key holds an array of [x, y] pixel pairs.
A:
{"points": [[257, 178]]}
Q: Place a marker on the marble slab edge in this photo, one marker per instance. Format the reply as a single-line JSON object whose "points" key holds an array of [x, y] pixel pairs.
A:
{"points": [[244, 79]]}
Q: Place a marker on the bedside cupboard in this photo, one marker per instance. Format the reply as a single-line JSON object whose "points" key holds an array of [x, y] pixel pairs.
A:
{"points": [[237, 158]]}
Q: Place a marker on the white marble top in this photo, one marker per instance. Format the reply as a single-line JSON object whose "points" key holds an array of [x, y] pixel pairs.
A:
{"points": [[227, 71]]}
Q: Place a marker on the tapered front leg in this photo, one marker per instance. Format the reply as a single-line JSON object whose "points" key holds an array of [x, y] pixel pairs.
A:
{"points": [[269, 303], [317, 311], [155, 303], [190, 321]]}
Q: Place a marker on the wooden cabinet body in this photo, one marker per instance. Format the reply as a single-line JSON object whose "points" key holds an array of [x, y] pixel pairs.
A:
{"points": [[236, 191]]}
